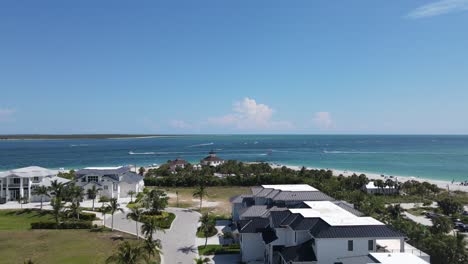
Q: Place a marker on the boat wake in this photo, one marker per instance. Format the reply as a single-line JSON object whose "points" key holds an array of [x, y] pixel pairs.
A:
{"points": [[201, 145]]}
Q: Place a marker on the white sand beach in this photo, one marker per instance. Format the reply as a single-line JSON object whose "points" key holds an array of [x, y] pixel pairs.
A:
{"points": [[442, 184]]}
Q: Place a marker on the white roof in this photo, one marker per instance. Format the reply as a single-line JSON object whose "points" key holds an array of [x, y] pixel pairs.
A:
{"points": [[290, 187], [103, 168], [47, 181], [333, 214], [398, 258], [371, 185], [27, 172]]}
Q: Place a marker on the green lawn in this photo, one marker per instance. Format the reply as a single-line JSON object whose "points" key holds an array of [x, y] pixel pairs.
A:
{"points": [[21, 219], [57, 246], [19, 243]]}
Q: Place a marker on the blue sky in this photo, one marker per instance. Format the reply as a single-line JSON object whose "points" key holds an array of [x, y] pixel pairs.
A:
{"points": [[386, 67]]}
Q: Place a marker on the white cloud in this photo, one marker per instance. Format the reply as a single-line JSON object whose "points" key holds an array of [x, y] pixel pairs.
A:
{"points": [[179, 124], [250, 115], [439, 8], [6, 114], [323, 120]]}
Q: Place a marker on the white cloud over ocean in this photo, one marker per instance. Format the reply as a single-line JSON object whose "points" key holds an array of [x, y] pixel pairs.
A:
{"points": [[439, 8], [323, 120], [247, 114]]}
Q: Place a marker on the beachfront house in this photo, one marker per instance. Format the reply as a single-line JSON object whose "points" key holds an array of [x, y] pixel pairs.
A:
{"points": [[177, 163], [21, 183], [113, 182], [212, 160], [373, 188], [323, 231]]}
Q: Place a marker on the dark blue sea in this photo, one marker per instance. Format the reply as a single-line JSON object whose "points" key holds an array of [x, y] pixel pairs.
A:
{"points": [[436, 157]]}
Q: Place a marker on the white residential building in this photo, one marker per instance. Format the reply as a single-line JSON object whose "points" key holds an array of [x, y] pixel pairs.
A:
{"points": [[312, 232], [211, 160], [21, 182], [113, 182], [371, 188]]}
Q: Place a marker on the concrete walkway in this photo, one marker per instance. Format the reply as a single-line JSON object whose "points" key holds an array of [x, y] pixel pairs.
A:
{"points": [[178, 242]]}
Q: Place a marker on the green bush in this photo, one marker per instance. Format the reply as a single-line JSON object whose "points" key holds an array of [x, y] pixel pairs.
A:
{"points": [[104, 199], [87, 216], [211, 232], [63, 225], [164, 219], [219, 249]]}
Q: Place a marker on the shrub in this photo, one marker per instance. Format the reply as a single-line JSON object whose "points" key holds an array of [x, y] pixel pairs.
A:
{"points": [[63, 225], [164, 219], [87, 216], [104, 199], [219, 249]]}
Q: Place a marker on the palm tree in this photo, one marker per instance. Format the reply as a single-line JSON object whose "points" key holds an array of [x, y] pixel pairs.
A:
{"points": [[113, 207], [56, 188], [201, 260], [206, 226], [41, 191], [200, 192], [152, 247], [135, 214], [127, 254], [92, 194], [75, 210], [29, 261], [57, 207], [150, 226], [104, 211], [131, 193]]}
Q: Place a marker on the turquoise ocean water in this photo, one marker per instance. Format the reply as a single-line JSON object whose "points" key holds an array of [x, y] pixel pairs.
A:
{"points": [[434, 157]]}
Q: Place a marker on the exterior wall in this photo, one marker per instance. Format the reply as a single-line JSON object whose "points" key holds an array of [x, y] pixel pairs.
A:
{"points": [[302, 236], [126, 187], [329, 250], [252, 247], [235, 211]]}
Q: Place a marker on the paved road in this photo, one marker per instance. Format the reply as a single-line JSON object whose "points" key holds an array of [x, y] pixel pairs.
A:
{"points": [[178, 243], [419, 219]]}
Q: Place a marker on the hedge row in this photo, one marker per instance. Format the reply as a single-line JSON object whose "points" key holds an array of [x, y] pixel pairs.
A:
{"points": [[219, 249], [63, 225]]}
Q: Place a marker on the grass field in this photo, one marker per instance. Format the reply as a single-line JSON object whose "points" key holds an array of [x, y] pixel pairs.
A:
{"points": [[19, 243], [217, 200], [21, 219]]}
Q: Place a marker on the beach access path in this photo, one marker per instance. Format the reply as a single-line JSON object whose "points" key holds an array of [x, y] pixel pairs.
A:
{"points": [[178, 243]]}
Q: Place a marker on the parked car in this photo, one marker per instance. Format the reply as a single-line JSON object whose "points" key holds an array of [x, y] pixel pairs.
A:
{"points": [[458, 225], [463, 228], [432, 215]]}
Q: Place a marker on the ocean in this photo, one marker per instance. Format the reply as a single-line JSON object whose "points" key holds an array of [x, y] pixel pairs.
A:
{"points": [[430, 156]]}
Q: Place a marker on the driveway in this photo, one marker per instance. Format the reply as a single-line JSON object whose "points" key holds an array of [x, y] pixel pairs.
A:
{"points": [[178, 242], [419, 219]]}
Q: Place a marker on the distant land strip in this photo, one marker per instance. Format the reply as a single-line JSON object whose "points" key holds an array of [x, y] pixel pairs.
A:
{"points": [[80, 136]]}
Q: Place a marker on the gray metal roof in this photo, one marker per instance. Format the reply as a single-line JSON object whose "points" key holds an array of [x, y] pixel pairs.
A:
{"points": [[299, 253], [255, 211], [102, 172]]}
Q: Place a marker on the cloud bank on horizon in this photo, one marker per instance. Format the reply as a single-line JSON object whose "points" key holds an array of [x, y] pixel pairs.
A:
{"points": [[439, 8], [6, 114]]}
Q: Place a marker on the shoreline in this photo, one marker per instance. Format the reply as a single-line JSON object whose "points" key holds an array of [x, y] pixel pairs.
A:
{"points": [[375, 176]]}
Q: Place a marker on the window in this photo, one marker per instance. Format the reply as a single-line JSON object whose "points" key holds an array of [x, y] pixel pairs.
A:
{"points": [[371, 245], [106, 187], [115, 186], [35, 179], [16, 180], [93, 178], [350, 245]]}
